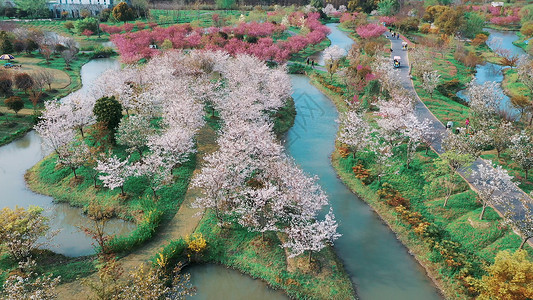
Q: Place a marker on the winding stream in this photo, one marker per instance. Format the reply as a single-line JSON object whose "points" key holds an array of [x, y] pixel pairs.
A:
{"points": [[21, 154], [493, 72], [378, 263]]}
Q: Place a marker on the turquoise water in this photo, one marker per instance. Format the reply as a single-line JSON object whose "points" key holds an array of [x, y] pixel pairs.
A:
{"points": [[378, 263]]}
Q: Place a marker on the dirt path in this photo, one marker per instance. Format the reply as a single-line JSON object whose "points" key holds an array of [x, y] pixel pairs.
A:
{"points": [[24, 111], [183, 223]]}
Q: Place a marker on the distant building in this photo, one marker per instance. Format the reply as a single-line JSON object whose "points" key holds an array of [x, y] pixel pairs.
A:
{"points": [[497, 4], [75, 7]]}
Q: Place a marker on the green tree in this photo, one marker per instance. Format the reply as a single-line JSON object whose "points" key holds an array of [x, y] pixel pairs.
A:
{"points": [[225, 4], [444, 175], [69, 25], [473, 24], [318, 4], [510, 277], [450, 21], [108, 111], [7, 46], [388, 7], [86, 24], [122, 12], [34, 8], [14, 103], [21, 230]]}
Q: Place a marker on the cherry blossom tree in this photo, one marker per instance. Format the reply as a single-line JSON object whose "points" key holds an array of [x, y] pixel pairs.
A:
{"points": [[80, 113], [393, 114], [370, 30], [522, 150], [492, 184], [430, 81], [134, 132], [311, 236], [333, 53], [520, 218], [55, 127], [73, 155], [501, 136], [463, 143], [355, 132], [329, 9], [416, 131], [484, 101], [27, 284], [114, 172], [155, 169]]}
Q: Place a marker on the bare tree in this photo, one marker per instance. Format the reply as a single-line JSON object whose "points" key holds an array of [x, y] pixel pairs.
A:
{"points": [[68, 55]]}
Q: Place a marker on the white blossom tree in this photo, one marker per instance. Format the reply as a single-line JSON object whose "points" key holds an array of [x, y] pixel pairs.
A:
{"points": [[484, 102], [27, 284], [311, 236], [157, 171], [355, 132], [114, 172], [55, 127], [134, 132], [430, 81], [73, 156], [416, 132], [519, 217], [501, 136], [492, 184], [522, 150]]}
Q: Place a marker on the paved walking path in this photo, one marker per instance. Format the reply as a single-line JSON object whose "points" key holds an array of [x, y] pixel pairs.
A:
{"points": [[514, 194], [182, 224]]}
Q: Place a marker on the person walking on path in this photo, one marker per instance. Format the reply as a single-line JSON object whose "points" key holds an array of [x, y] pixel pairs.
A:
{"points": [[307, 61], [313, 64], [467, 122]]}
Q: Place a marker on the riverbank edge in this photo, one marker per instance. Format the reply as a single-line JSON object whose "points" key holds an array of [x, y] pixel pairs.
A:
{"points": [[15, 136], [444, 287], [289, 286]]}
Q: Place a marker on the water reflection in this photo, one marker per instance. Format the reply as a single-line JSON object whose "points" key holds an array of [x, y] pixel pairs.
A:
{"points": [[217, 282]]}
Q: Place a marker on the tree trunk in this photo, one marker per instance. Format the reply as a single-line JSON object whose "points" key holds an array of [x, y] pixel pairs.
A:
{"points": [[482, 212], [498, 151], [526, 170], [310, 257], [524, 242], [446, 200], [94, 179], [122, 190], [74, 170], [81, 131]]}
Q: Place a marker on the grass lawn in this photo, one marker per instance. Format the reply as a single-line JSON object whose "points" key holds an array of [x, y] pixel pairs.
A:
{"points": [[13, 126], [467, 242]]}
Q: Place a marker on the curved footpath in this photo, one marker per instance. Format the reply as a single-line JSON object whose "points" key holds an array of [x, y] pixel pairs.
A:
{"points": [[514, 194]]}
